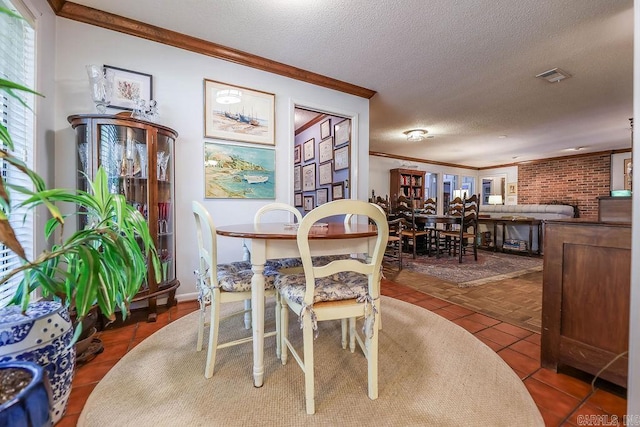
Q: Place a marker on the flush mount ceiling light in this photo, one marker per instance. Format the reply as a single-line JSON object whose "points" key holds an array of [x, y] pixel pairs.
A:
{"points": [[554, 75], [415, 134], [228, 96]]}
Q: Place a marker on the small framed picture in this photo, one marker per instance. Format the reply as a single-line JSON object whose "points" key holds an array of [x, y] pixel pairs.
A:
{"points": [[322, 196], [309, 177], [342, 132], [296, 154], [341, 158], [308, 149], [337, 191], [297, 178], [128, 86], [512, 188], [325, 173], [297, 200], [325, 129], [325, 150], [308, 203]]}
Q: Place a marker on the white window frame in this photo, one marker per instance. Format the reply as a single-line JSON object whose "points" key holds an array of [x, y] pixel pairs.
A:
{"points": [[17, 64]]}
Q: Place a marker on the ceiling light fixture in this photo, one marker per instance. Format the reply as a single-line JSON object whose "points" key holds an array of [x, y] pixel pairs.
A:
{"points": [[415, 134], [228, 96], [554, 75]]}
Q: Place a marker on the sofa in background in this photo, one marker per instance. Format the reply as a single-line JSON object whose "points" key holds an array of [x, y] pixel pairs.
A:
{"points": [[521, 231]]}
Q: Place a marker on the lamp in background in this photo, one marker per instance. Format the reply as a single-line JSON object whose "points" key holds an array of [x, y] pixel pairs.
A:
{"points": [[495, 199], [228, 96], [415, 134]]}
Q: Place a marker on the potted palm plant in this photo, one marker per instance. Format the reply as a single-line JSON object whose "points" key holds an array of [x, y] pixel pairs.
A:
{"points": [[101, 265]]}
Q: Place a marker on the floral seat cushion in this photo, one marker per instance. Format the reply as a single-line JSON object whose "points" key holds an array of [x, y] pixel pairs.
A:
{"points": [[240, 281], [341, 286]]}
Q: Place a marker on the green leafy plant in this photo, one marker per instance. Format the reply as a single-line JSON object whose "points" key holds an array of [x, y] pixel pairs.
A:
{"points": [[103, 264]]}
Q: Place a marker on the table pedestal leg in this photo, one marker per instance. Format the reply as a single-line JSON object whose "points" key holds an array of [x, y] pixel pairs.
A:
{"points": [[257, 311]]}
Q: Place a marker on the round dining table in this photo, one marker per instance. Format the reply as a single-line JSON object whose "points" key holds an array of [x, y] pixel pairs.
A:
{"points": [[278, 240]]}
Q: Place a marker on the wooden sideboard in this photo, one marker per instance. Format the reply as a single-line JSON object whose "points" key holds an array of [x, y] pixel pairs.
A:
{"points": [[614, 209], [585, 299]]}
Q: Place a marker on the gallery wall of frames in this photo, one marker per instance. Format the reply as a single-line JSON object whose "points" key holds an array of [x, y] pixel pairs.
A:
{"points": [[321, 157]]}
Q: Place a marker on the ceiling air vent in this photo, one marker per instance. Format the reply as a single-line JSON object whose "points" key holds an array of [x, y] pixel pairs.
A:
{"points": [[554, 75]]}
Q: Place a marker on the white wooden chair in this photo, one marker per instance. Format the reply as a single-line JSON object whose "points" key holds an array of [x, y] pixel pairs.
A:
{"points": [[341, 289], [283, 263], [220, 284]]}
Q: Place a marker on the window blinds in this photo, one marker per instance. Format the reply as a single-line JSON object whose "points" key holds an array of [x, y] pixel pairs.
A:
{"points": [[17, 64]]}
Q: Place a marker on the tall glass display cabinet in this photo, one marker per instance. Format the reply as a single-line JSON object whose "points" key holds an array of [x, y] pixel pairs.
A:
{"points": [[138, 157]]}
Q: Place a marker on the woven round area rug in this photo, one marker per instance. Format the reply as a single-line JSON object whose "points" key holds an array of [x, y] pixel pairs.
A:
{"points": [[431, 372]]}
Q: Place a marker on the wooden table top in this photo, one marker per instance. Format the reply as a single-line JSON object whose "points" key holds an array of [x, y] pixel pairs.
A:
{"points": [[333, 230]]}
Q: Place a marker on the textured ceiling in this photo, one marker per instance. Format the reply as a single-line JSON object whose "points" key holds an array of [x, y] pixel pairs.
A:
{"points": [[463, 70]]}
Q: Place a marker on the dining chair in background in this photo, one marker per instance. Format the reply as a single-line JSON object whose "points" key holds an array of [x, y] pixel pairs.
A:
{"points": [[465, 235], [341, 289], [218, 284], [412, 235], [394, 244]]}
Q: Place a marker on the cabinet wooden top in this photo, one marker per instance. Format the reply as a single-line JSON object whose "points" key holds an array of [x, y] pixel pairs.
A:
{"points": [[118, 120], [585, 222]]}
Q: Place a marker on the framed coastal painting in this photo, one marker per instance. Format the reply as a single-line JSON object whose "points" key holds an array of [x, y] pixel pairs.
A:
{"points": [[239, 172], [238, 113], [128, 86]]}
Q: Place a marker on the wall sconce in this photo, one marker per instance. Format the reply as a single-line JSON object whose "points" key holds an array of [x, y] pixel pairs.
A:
{"points": [[228, 96], [495, 199], [415, 134]]}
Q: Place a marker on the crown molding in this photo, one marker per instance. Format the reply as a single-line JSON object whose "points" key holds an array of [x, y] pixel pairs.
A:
{"points": [[110, 21], [417, 159]]}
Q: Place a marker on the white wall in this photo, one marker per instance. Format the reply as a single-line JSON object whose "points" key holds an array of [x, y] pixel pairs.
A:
{"points": [[45, 106], [380, 166], [178, 87]]}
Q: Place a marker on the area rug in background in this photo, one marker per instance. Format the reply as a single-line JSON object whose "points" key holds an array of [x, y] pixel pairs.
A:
{"points": [[490, 267], [431, 372]]}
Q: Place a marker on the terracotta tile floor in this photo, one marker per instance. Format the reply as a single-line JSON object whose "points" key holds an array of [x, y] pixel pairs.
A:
{"points": [[560, 398]]}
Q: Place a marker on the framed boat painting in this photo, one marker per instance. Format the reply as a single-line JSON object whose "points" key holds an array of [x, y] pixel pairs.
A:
{"points": [[238, 113], [239, 172]]}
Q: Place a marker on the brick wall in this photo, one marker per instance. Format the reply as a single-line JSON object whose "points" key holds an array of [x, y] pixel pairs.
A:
{"points": [[576, 181]]}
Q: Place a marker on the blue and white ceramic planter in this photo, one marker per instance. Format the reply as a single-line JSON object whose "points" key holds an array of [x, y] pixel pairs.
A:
{"points": [[32, 406], [42, 335]]}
